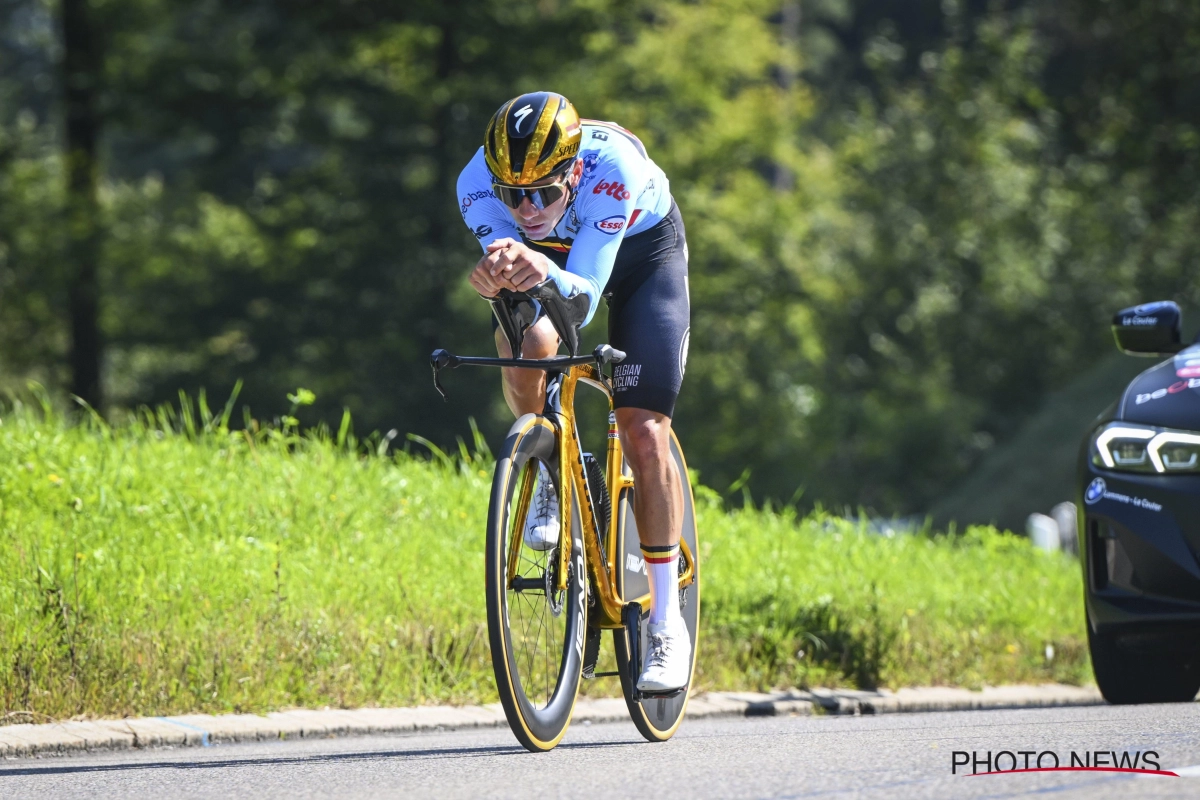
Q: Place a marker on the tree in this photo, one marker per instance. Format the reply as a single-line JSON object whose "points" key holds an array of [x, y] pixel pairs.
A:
{"points": [[82, 61]]}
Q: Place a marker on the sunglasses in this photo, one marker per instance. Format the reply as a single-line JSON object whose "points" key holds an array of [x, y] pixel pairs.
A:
{"points": [[540, 196]]}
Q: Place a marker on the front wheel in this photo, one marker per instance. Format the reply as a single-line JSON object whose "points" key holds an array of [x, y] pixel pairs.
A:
{"points": [[536, 631], [656, 718]]}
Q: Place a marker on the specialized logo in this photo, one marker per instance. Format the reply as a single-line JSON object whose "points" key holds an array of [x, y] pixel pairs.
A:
{"points": [[525, 111], [611, 225], [1174, 388], [581, 617], [482, 231], [1095, 491], [612, 189], [471, 197]]}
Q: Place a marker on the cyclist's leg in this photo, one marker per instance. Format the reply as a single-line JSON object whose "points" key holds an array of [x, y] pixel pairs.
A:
{"points": [[525, 389], [525, 392], [658, 502], [657, 505], [649, 320]]}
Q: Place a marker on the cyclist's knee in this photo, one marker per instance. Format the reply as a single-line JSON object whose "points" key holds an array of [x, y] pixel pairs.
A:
{"points": [[540, 341], [645, 437], [524, 389]]}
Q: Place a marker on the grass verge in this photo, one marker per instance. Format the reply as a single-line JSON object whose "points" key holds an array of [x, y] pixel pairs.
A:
{"points": [[169, 564]]}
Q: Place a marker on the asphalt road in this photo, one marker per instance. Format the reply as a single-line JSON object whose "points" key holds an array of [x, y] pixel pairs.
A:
{"points": [[890, 756]]}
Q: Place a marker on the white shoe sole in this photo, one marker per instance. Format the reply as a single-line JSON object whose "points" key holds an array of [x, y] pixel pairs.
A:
{"points": [[655, 688]]}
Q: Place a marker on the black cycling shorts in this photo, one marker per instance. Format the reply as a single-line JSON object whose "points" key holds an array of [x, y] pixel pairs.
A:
{"points": [[649, 314]]}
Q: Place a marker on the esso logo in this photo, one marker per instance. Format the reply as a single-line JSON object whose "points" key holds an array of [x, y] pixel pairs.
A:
{"points": [[611, 225], [1094, 491]]}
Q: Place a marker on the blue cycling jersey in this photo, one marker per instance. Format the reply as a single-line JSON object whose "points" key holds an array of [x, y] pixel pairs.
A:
{"points": [[622, 192]]}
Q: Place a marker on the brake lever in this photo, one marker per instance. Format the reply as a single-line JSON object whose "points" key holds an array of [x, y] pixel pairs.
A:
{"points": [[607, 354], [438, 360]]}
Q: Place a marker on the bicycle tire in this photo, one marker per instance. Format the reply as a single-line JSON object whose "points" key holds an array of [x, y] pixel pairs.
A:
{"points": [[656, 718], [537, 670]]}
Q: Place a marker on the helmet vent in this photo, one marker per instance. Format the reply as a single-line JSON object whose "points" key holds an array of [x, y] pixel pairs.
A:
{"points": [[548, 148], [517, 149]]}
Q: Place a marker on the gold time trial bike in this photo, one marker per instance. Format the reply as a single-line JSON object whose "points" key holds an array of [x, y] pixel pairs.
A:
{"points": [[546, 609]]}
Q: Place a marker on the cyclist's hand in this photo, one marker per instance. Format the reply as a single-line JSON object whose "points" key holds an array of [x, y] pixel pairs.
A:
{"points": [[515, 266], [483, 278], [482, 282]]}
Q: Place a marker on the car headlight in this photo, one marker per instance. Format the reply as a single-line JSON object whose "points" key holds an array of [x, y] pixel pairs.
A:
{"points": [[1140, 448]]}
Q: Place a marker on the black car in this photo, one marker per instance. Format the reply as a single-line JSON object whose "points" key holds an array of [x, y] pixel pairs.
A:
{"points": [[1139, 526]]}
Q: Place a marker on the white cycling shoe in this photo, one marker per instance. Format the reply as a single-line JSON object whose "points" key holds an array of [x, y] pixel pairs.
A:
{"points": [[668, 658], [541, 527]]}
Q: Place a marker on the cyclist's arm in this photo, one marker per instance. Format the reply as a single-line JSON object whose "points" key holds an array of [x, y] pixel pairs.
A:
{"points": [[604, 221], [483, 214], [488, 221]]}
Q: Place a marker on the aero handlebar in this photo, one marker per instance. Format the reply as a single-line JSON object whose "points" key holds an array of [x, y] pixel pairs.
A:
{"points": [[444, 359]]}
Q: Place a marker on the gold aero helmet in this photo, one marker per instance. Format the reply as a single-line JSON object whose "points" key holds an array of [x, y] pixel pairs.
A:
{"points": [[531, 137]]}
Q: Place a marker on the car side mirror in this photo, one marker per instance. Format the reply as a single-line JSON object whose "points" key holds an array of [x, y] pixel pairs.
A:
{"points": [[1151, 329]]}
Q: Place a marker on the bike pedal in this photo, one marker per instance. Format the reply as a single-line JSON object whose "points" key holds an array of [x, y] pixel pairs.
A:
{"points": [[660, 695]]}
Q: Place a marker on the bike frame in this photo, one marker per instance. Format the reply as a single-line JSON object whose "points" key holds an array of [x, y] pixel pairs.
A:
{"points": [[601, 561], [564, 374]]}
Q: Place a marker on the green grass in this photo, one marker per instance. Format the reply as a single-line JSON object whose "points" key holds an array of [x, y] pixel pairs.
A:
{"points": [[168, 564]]}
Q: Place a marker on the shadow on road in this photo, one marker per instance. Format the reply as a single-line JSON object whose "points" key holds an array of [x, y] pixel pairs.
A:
{"points": [[324, 758]]}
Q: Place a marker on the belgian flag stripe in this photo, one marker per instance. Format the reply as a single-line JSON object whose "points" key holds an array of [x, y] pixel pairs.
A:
{"points": [[660, 554]]}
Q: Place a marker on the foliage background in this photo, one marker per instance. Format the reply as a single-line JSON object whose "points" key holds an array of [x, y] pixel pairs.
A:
{"points": [[908, 222], [167, 564]]}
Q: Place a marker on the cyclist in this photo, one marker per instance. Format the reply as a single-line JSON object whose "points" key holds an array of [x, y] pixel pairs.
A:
{"points": [[578, 201]]}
